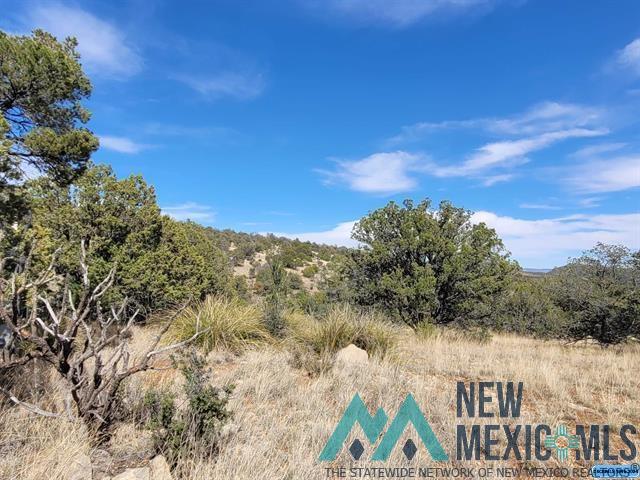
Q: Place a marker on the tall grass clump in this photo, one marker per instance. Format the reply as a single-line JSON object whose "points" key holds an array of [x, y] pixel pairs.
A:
{"points": [[230, 323], [426, 331], [342, 325]]}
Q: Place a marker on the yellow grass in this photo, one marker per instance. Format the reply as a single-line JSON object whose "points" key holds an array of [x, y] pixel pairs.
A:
{"points": [[229, 323], [283, 417]]}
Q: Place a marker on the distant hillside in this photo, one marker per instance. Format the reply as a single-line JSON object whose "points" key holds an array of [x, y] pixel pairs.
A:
{"points": [[535, 272], [250, 254], [242, 246]]}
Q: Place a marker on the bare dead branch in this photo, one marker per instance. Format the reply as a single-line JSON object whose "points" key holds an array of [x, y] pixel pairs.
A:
{"points": [[79, 354], [28, 406]]}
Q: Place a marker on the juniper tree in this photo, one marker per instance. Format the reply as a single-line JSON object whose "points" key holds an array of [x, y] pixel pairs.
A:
{"points": [[42, 87], [601, 294], [421, 264]]}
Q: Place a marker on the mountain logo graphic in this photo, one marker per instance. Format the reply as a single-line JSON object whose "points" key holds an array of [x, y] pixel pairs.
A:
{"points": [[373, 427]]}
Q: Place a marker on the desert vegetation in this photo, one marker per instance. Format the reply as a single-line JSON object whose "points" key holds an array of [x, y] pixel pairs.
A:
{"points": [[135, 334]]}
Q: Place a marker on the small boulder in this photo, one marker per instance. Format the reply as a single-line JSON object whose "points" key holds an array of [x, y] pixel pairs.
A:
{"points": [[80, 468], [159, 469], [134, 474], [352, 355]]}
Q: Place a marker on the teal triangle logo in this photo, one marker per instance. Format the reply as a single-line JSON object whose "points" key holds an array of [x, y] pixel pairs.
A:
{"points": [[373, 426]]}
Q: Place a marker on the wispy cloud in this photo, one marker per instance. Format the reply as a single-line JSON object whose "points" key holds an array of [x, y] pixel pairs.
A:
{"points": [[539, 206], [589, 202], [396, 13], [629, 57], [535, 129], [104, 48], [241, 86], [606, 175], [381, 173], [594, 150], [547, 117], [510, 152], [190, 211], [494, 179], [542, 118], [279, 213], [340, 235], [549, 242], [194, 131], [121, 144], [394, 172]]}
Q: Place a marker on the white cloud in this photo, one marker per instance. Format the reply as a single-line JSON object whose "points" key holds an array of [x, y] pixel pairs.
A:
{"points": [[538, 128], [493, 179], [241, 86], [606, 175], [589, 202], [382, 173], [510, 152], [103, 47], [190, 211], [547, 117], [539, 206], [340, 235], [549, 242], [121, 144], [594, 150], [397, 13], [629, 57], [394, 172], [542, 118]]}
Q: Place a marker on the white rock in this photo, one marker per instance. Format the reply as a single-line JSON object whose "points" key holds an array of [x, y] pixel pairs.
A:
{"points": [[352, 355], [159, 469], [80, 468], [134, 474]]}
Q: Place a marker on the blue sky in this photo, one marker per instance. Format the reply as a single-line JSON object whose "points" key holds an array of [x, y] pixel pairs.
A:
{"points": [[300, 116]]}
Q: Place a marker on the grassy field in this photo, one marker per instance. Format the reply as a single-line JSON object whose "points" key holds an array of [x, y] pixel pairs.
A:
{"points": [[283, 415]]}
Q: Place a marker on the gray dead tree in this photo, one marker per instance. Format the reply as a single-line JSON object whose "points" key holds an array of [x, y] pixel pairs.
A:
{"points": [[84, 342]]}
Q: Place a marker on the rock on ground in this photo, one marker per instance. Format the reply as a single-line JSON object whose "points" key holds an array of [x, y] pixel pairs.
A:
{"points": [[159, 469], [352, 355], [80, 468], [142, 473]]}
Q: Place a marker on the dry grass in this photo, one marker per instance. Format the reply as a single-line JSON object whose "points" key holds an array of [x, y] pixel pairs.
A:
{"points": [[34, 447], [341, 326], [314, 342], [232, 324], [282, 417]]}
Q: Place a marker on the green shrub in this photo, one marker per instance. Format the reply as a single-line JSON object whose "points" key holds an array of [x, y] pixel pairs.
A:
{"points": [[526, 307], [193, 430], [310, 270], [600, 294], [294, 281], [276, 298], [232, 324], [312, 303]]}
